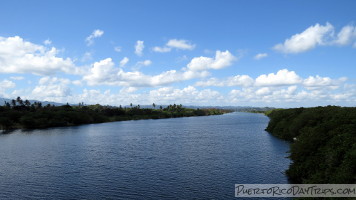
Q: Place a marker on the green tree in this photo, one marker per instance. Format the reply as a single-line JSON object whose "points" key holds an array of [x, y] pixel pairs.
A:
{"points": [[13, 102], [27, 103], [19, 100]]}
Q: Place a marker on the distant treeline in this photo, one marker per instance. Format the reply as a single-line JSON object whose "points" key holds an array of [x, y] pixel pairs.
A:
{"points": [[255, 109], [22, 114], [323, 148]]}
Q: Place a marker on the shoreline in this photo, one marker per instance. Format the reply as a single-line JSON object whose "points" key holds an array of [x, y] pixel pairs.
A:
{"points": [[31, 117]]}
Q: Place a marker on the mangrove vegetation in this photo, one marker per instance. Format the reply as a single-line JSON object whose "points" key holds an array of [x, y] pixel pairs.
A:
{"points": [[23, 114], [323, 143]]}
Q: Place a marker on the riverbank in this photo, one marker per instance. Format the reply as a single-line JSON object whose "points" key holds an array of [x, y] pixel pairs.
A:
{"points": [[35, 116], [323, 148]]}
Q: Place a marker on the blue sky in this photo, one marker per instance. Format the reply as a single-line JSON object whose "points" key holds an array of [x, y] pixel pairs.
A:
{"points": [[242, 53]]}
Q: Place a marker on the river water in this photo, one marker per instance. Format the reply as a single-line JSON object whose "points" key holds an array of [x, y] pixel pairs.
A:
{"points": [[181, 158]]}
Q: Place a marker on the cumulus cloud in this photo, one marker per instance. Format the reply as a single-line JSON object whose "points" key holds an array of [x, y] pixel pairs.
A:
{"points": [[19, 56], [47, 42], [139, 47], [260, 56], [180, 44], [95, 34], [315, 82], [346, 36], [318, 35], [222, 59], [124, 61], [238, 80], [6, 84], [52, 89], [162, 49], [175, 44], [187, 95], [128, 90], [104, 72], [268, 83], [144, 63], [263, 91], [282, 77], [308, 39]]}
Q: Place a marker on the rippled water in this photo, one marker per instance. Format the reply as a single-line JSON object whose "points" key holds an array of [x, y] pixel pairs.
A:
{"points": [[182, 158]]}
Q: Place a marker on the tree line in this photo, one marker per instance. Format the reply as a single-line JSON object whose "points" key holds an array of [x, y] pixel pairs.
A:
{"points": [[323, 143], [23, 114]]}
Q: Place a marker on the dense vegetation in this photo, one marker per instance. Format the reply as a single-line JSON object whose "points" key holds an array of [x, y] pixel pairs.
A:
{"points": [[255, 109], [23, 114], [323, 148]]}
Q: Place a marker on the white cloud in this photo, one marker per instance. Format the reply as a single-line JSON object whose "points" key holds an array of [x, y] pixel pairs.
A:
{"points": [[17, 78], [77, 82], [318, 35], [180, 44], [96, 34], [144, 63], [139, 47], [128, 90], [19, 56], [238, 80], [316, 82], [6, 84], [263, 91], [47, 42], [162, 49], [117, 49], [101, 72], [221, 60], [282, 77], [104, 72], [265, 83], [308, 39], [52, 89], [124, 61], [87, 56], [260, 56], [346, 36], [175, 44], [188, 95], [56, 89]]}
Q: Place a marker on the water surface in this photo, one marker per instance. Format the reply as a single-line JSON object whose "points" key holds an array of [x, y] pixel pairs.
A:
{"points": [[181, 158]]}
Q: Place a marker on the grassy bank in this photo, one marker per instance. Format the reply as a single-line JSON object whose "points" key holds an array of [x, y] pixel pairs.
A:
{"points": [[323, 148]]}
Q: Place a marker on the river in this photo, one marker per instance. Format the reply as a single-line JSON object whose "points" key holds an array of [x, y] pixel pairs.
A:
{"points": [[180, 158]]}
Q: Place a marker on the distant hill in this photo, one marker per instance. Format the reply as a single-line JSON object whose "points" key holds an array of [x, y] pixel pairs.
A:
{"points": [[44, 103]]}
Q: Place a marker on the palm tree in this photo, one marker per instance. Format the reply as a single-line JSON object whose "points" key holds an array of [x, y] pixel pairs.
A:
{"points": [[13, 102], [7, 104], [27, 103], [19, 100]]}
